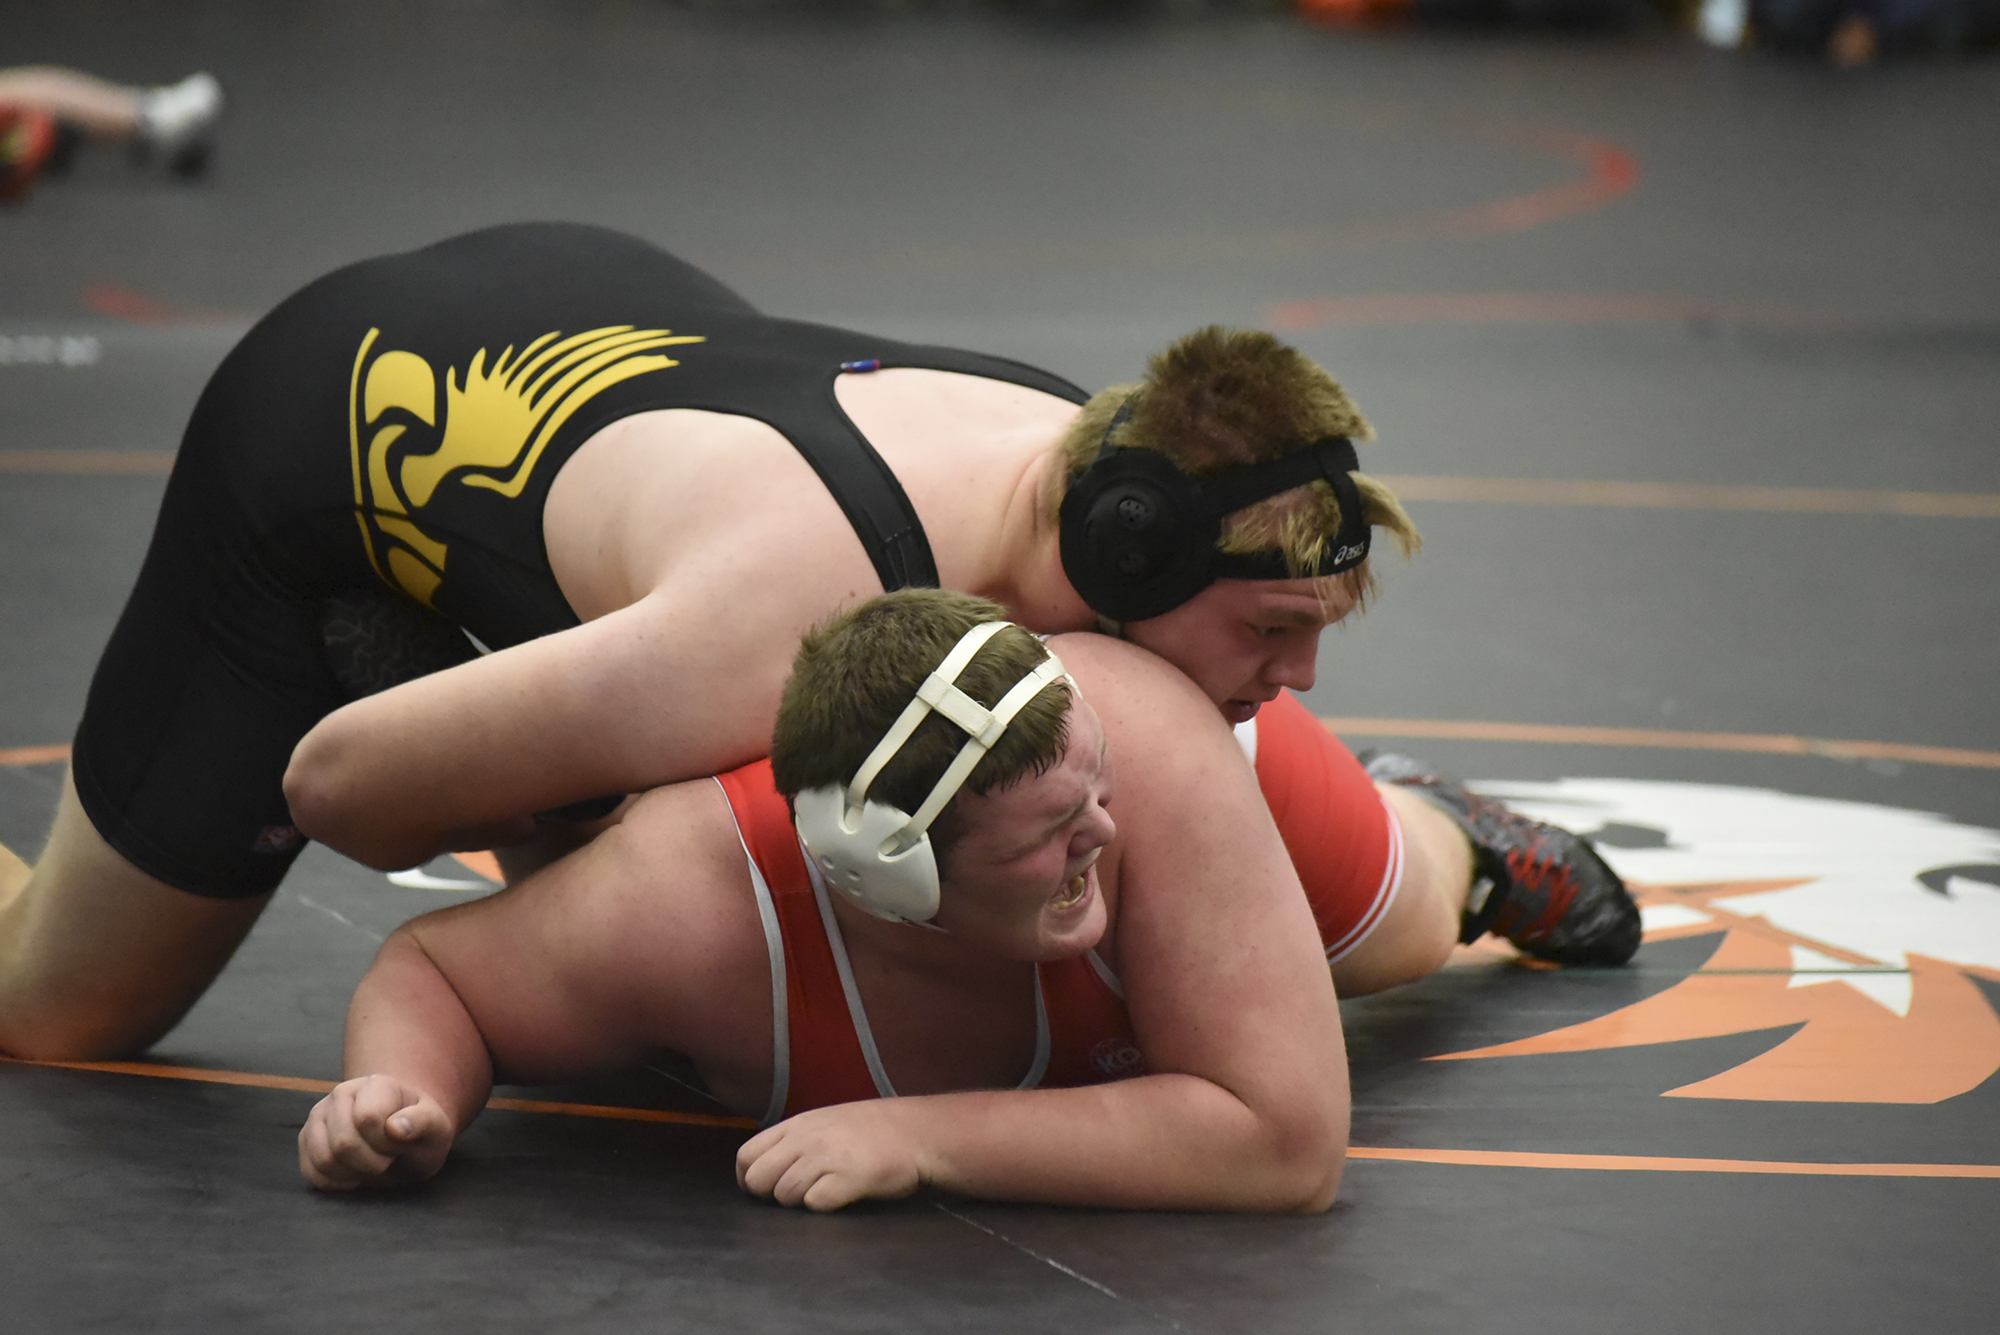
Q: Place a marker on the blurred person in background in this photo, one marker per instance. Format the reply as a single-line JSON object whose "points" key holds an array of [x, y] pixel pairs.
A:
{"points": [[47, 111], [1852, 33]]}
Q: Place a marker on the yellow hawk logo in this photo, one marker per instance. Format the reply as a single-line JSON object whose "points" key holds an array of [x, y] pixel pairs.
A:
{"points": [[492, 425]]}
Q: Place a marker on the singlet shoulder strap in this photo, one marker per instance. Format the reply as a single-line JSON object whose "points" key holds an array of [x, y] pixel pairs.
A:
{"points": [[774, 944], [876, 505], [869, 494]]}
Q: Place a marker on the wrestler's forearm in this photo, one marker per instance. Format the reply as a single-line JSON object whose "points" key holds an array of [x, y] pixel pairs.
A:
{"points": [[347, 790], [1164, 1142], [406, 1021], [396, 777], [336, 800]]}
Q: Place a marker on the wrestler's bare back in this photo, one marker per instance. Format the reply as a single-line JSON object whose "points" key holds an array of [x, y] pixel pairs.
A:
{"points": [[697, 547], [722, 524], [681, 495]]}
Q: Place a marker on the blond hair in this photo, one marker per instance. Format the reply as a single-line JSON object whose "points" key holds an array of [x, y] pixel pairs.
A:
{"points": [[1222, 398]]}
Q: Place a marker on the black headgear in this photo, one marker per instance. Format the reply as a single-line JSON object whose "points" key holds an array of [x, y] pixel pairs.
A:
{"points": [[1139, 535]]}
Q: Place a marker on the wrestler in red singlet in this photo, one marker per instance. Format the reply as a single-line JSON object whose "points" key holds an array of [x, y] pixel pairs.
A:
{"points": [[822, 1049], [1345, 843]]}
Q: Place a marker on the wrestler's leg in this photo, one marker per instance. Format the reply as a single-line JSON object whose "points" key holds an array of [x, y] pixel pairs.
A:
{"points": [[98, 959], [175, 122], [172, 829], [1421, 926], [102, 109]]}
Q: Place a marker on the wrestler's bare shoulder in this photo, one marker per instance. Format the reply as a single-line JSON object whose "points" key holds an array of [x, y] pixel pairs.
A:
{"points": [[1169, 745], [669, 892], [659, 492], [908, 413], [1129, 680]]}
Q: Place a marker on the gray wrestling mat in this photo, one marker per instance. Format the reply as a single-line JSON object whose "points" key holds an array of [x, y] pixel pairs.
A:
{"points": [[1686, 362]]}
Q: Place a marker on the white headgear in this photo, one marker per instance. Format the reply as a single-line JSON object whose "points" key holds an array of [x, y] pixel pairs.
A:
{"points": [[877, 855]]}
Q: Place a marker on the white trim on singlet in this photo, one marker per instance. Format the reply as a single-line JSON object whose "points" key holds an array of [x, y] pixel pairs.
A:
{"points": [[1104, 974], [774, 943], [1385, 894], [1040, 1066], [858, 1014]]}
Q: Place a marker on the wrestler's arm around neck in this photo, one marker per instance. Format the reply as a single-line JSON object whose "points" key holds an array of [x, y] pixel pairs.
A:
{"points": [[672, 687]]}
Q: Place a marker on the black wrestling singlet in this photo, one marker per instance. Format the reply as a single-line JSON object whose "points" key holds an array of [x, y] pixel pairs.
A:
{"points": [[396, 425]]}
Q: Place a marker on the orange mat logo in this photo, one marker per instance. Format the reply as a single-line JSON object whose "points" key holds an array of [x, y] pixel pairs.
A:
{"points": [[487, 430], [1859, 928]]}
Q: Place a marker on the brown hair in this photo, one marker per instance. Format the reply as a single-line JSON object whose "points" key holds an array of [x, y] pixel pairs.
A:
{"points": [[854, 674], [1222, 398]]}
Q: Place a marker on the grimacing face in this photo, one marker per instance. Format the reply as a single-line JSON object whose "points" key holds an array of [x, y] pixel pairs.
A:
{"points": [[1242, 640], [1021, 879]]}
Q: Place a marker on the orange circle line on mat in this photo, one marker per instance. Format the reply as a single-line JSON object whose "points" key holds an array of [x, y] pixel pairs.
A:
{"points": [[303, 1085], [1553, 734], [1541, 734], [1651, 1163], [1301, 314], [1692, 496], [1608, 172], [1641, 1163], [1441, 488], [32, 755]]}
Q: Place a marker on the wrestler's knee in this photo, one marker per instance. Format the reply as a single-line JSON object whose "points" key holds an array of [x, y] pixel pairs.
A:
{"points": [[61, 1000], [1420, 929], [99, 959], [52, 1011], [1404, 949], [43, 1023]]}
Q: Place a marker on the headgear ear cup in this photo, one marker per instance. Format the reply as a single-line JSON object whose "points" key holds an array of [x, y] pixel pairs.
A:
{"points": [[1139, 537], [856, 851], [1135, 531], [877, 855]]}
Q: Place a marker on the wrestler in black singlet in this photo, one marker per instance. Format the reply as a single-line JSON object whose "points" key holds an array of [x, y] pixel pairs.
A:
{"points": [[398, 423]]}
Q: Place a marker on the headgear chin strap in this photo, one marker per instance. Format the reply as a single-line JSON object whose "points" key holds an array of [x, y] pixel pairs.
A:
{"points": [[1139, 536], [877, 855]]}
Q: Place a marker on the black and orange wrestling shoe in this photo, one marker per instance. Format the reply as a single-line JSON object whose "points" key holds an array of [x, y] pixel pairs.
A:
{"points": [[1547, 891]]}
